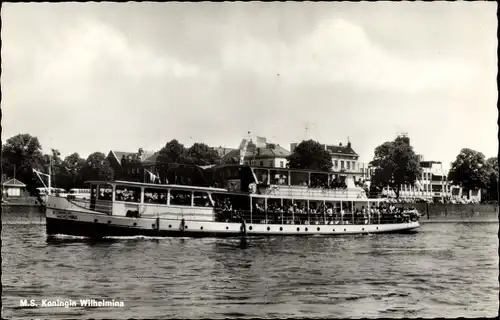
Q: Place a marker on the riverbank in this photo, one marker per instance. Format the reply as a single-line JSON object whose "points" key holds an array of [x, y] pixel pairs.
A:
{"points": [[436, 212], [20, 202]]}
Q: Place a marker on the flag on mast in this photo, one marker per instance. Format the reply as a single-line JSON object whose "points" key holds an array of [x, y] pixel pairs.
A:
{"points": [[243, 150], [152, 177]]}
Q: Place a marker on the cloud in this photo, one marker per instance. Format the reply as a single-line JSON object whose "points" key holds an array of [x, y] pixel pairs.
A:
{"points": [[340, 51], [87, 53], [134, 75]]}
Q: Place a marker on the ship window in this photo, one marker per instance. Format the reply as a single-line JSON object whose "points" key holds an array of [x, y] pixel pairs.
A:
{"points": [[298, 178], [128, 194], [261, 175], [105, 192], [279, 177], [201, 199], [158, 196], [180, 198]]}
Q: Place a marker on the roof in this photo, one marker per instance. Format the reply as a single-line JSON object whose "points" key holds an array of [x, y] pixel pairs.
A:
{"points": [[221, 151], [271, 151], [120, 154], [279, 169], [13, 183], [341, 150], [154, 185], [149, 156], [428, 164]]}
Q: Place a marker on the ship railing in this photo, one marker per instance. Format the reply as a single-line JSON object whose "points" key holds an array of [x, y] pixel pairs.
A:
{"points": [[304, 191], [104, 206], [276, 217]]}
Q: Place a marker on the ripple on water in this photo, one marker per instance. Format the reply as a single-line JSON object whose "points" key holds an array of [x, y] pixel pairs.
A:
{"points": [[444, 271]]}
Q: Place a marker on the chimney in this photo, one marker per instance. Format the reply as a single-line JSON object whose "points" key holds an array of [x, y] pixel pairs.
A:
{"points": [[349, 144], [340, 144]]}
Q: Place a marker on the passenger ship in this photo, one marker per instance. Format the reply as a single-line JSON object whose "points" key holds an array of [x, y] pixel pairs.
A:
{"points": [[258, 202]]}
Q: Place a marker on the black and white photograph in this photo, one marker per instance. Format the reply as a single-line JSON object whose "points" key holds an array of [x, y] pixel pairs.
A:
{"points": [[238, 160]]}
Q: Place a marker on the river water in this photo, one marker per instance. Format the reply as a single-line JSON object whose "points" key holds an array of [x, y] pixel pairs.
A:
{"points": [[444, 270]]}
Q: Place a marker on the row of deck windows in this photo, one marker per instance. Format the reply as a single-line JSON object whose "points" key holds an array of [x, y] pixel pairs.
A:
{"points": [[154, 196]]}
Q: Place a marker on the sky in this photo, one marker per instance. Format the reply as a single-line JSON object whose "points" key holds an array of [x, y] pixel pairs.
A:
{"points": [[86, 77]]}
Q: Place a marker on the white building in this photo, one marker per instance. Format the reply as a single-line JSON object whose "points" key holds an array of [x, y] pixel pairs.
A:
{"points": [[434, 185], [345, 161], [265, 155]]}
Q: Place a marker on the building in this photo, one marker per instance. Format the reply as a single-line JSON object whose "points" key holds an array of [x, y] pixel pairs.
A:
{"points": [[222, 151], [265, 155], [344, 158], [434, 185], [126, 164], [366, 171], [13, 188], [345, 163], [144, 166]]}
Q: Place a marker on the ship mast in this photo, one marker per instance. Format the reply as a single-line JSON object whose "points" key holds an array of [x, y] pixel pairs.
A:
{"points": [[50, 174]]}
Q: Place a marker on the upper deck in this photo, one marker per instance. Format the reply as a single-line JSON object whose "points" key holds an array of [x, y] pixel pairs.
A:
{"points": [[144, 185], [284, 182]]}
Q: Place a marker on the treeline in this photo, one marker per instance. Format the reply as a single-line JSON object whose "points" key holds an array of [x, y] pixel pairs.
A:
{"points": [[395, 163], [23, 153]]}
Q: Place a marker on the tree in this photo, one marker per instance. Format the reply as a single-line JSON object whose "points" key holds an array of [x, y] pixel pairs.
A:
{"points": [[96, 167], [310, 155], [201, 154], [395, 164], [180, 165], [173, 152], [492, 179], [20, 155], [469, 170], [70, 168]]}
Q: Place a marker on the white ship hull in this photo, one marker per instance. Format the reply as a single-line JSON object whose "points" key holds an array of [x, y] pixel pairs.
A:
{"points": [[69, 220]]}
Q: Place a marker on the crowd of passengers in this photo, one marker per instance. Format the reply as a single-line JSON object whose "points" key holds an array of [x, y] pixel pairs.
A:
{"points": [[315, 183], [325, 214]]}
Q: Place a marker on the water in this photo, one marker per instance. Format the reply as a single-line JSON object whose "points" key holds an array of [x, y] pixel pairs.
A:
{"points": [[445, 270]]}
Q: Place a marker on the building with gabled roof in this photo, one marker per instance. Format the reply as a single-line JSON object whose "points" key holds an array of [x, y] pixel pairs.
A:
{"points": [[121, 161], [13, 188], [344, 158], [222, 151], [141, 155], [272, 155]]}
